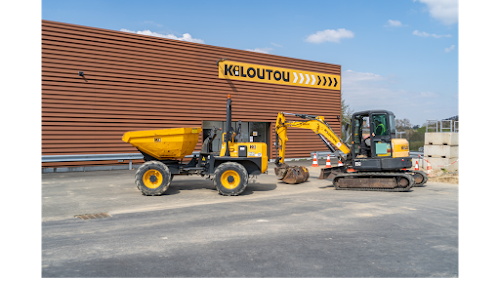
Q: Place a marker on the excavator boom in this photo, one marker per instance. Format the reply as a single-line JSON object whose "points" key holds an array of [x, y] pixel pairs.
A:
{"points": [[317, 124]]}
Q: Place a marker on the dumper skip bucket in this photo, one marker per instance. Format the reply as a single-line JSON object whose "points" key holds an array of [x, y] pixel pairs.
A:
{"points": [[164, 144]]}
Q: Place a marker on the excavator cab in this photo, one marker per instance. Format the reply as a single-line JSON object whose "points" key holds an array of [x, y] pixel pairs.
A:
{"points": [[373, 127], [375, 147]]}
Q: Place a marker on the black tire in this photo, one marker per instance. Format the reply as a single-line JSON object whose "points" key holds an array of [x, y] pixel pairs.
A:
{"points": [[230, 178], [153, 178]]}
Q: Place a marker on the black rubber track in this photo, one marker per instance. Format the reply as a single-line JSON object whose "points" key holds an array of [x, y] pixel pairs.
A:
{"points": [[410, 179], [424, 181]]}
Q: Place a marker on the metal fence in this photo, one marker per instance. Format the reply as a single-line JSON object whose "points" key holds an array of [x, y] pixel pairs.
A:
{"points": [[324, 154], [442, 126], [135, 156], [99, 157]]}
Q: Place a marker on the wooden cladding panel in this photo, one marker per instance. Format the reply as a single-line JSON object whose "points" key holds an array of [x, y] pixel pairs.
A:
{"points": [[136, 82]]}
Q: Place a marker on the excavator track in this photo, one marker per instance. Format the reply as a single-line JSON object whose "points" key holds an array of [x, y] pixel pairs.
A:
{"points": [[374, 181], [419, 177]]}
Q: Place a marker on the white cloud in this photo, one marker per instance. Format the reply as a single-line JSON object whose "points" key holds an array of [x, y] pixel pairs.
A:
{"points": [[185, 37], [444, 10], [261, 50], [353, 77], [365, 90], [154, 23], [428, 94], [395, 23], [276, 45], [425, 34], [451, 48], [330, 35]]}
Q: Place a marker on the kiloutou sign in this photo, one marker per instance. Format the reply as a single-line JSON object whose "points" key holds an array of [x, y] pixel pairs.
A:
{"points": [[276, 75]]}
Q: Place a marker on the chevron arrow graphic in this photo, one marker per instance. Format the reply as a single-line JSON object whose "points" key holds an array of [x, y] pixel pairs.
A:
{"points": [[307, 78], [330, 81], [301, 78], [313, 79], [335, 82], [324, 79], [295, 80], [319, 80]]}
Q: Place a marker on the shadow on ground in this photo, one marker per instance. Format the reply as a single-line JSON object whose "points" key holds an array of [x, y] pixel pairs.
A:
{"points": [[201, 183]]}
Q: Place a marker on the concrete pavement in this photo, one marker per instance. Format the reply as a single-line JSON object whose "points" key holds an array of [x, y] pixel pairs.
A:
{"points": [[271, 230]]}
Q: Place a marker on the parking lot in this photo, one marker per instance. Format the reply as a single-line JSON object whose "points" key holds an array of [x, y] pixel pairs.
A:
{"points": [[271, 230]]}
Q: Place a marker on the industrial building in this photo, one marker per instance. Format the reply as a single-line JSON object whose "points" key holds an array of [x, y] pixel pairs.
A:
{"points": [[98, 84]]}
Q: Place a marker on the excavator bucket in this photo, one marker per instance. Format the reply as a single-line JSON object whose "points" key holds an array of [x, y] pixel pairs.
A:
{"points": [[326, 173], [291, 174]]}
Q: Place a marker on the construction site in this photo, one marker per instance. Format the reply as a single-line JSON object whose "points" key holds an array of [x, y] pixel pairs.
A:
{"points": [[195, 160]]}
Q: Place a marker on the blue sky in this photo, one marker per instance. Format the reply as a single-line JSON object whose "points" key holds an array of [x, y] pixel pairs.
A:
{"points": [[400, 55]]}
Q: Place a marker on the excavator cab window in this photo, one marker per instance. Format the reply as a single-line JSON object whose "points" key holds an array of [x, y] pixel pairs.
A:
{"points": [[361, 138], [380, 127], [372, 135], [392, 125], [381, 135]]}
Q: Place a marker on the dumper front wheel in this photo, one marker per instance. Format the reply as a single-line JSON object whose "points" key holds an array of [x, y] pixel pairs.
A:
{"points": [[153, 178], [230, 178]]}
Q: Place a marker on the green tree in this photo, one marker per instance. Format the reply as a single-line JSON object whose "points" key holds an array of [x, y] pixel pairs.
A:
{"points": [[403, 124]]}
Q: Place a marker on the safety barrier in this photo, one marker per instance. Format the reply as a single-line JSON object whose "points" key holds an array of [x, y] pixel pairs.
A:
{"points": [[442, 166], [429, 165], [413, 154], [324, 154], [100, 157]]}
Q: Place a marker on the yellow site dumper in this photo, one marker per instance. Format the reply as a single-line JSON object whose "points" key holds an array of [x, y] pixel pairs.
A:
{"points": [[164, 150]]}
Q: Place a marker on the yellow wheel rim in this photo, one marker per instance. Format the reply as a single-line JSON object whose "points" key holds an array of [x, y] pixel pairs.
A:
{"points": [[230, 179], [152, 178]]}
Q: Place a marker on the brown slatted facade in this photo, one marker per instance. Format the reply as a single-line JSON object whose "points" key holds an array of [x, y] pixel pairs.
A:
{"points": [[137, 82]]}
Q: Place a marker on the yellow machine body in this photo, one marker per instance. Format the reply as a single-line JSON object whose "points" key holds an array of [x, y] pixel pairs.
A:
{"points": [[165, 144], [254, 149], [400, 148]]}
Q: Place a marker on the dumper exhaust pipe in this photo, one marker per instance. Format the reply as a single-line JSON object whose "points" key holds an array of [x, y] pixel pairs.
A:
{"points": [[228, 123]]}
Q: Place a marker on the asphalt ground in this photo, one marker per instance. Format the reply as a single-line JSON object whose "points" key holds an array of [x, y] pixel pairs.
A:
{"points": [[271, 230]]}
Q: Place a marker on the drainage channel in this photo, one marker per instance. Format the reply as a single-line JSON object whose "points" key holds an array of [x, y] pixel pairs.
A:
{"points": [[93, 216]]}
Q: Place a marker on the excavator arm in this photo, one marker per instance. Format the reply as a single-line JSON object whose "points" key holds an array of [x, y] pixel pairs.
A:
{"points": [[315, 123], [319, 126]]}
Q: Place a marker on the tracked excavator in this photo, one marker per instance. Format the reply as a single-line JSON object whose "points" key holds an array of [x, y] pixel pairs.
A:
{"points": [[376, 160]]}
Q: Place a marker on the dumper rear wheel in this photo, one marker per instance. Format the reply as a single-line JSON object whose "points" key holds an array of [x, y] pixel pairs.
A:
{"points": [[230, 178], [153, 178]]}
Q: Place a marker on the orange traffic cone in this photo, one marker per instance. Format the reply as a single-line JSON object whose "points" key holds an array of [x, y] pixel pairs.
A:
{"points": [[416, 166], [315, 161], [340, 163], [429, 167], [328, 163]]}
